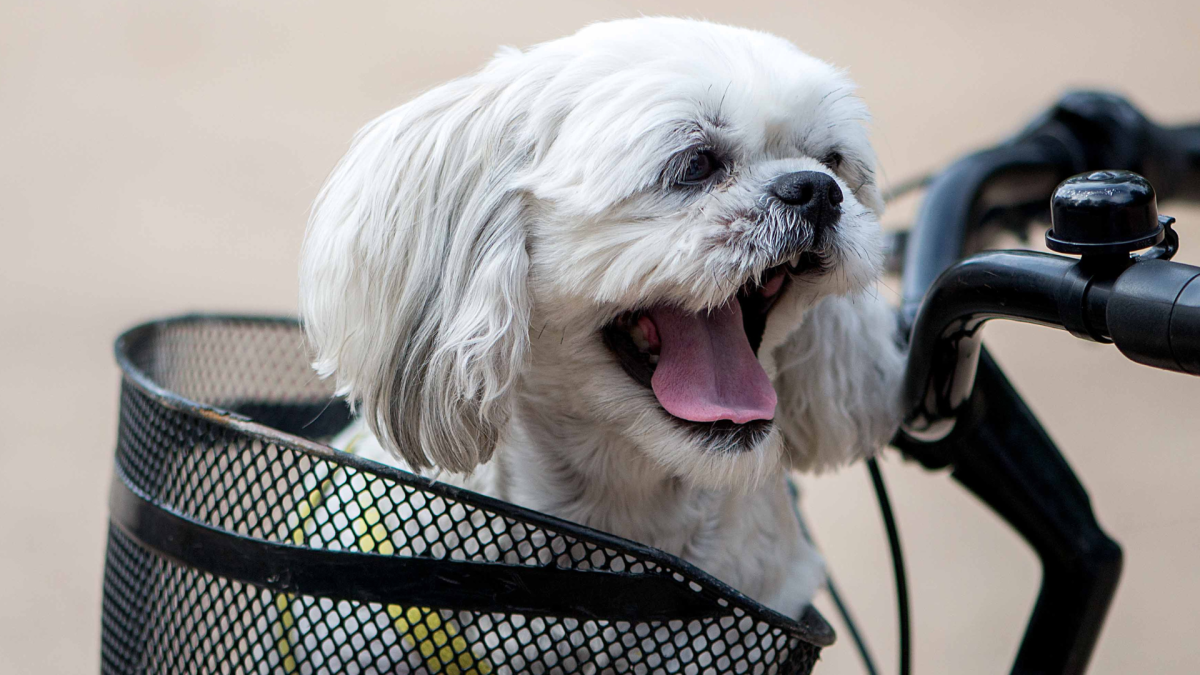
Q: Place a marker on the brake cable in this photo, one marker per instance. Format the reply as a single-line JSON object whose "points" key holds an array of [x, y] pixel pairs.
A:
{"points": [[910, 185], [881, 493], [889, 521], [893, 534]]}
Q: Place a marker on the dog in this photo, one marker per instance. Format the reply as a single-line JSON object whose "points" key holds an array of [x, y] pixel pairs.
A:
{"points": [[624, 278]]}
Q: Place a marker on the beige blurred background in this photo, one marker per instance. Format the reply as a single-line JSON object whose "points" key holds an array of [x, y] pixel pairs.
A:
{"points": [[159, 157]]}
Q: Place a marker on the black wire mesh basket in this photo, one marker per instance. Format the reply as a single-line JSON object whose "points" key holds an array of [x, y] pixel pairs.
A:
{"points": [[240, 543]]}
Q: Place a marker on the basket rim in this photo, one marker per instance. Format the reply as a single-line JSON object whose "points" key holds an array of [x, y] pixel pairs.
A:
{"points": [[811, 627]]}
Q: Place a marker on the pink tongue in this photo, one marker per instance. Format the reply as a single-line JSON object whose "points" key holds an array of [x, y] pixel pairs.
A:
{"points": [[706, 368]]}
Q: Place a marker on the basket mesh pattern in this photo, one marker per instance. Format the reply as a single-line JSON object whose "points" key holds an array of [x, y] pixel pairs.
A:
{"points": [[161, 616]]}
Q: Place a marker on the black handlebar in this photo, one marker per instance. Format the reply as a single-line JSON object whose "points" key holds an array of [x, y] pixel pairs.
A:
{"points": [[1153, 315], [963, 413], [955, 203], [945, 344], [1150, 310], [1085, 131]]}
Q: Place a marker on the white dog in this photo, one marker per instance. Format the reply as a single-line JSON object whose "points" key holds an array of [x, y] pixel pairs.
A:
{"points": [[624, 278]]}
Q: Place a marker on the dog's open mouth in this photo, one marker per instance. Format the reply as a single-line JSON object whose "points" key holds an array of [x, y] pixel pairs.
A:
{"points": [[703, 367]]}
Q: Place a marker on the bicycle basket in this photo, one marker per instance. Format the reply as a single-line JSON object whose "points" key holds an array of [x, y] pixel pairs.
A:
{"points": [[238, 543]]}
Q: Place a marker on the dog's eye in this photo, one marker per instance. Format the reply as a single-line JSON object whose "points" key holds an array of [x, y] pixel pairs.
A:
{"points": [[833, 160], [701, 165]]}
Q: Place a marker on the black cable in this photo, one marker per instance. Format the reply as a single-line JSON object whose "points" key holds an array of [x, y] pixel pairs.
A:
{"points": [[843, 610], [868, 662], [907, 186], [889, 521], [896, 241]]}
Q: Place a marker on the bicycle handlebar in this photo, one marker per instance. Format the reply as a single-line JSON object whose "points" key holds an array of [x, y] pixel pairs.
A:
{"points": [[1144, 304], [1150, 310], [964, 414], [1084, 131], [1153, 315], [952, 206]]}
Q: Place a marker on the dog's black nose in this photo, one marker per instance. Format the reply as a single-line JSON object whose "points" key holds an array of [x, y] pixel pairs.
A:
{"points": [[815, 194]]}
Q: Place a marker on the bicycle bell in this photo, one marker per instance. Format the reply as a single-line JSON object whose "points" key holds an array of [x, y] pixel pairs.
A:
{"points": [[1105, 213]]}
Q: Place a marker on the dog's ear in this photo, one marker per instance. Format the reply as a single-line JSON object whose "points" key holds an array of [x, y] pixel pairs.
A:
{"points": [[413, 273], [839, 382]]}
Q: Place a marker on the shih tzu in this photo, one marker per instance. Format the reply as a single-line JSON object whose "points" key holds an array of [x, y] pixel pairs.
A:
{"points": [[625, 278]]}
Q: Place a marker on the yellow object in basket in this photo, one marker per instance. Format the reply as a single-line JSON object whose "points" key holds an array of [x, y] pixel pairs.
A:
{"points": [[439, 641]]}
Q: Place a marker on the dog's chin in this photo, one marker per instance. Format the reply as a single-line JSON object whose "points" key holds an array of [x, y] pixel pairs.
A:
{"points": [[707, 462]]}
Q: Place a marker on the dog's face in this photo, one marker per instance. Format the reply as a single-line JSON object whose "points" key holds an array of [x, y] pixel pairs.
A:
{"points": [[644, 210], [699, 194]]}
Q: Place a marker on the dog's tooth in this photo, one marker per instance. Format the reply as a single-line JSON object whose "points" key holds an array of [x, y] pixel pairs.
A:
{"points": [[639, 338], [654, 358]]}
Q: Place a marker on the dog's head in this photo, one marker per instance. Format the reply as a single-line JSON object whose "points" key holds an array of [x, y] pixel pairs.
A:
{"points": [[621, 226]]}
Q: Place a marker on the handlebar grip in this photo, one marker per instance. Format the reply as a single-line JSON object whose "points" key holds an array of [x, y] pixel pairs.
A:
{"points": [[1185, 328], [1153, 315]]}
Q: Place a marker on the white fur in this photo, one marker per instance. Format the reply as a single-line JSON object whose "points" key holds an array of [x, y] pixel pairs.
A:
{"points": [[464, 255]]}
